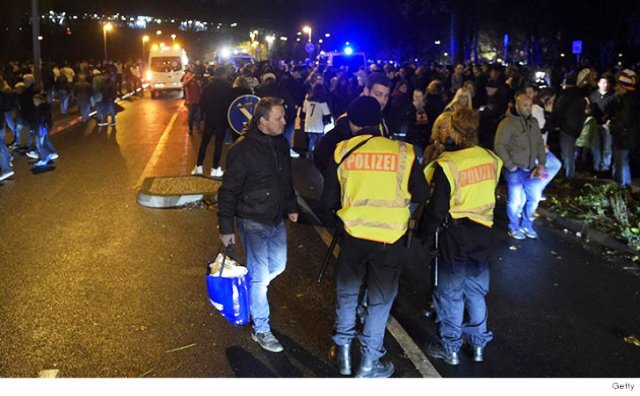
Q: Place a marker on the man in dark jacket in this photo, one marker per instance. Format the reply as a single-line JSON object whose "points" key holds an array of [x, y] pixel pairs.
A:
{"points": [[215, 101], [377, 86], [27, 112], [569, 115], [109, 94], [257, 189], [603, 99], [625, 126]]}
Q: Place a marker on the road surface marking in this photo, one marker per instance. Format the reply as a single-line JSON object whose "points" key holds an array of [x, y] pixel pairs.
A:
{"points": [[413, 352], [157, 153]]}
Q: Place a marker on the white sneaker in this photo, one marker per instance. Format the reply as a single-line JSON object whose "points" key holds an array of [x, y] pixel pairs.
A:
{"points": [[529, 232], [293, 154], [32, 154], [53, 156], [197, 170], [217, 172], [41, 163], [517, 234], [7, 175], [102, 124]]}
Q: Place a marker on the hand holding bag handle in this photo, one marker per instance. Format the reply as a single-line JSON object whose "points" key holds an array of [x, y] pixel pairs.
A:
{"points": [[229, 251]]}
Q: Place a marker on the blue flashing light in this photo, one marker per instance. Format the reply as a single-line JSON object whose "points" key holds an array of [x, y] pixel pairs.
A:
{"points": [[348, 50]]}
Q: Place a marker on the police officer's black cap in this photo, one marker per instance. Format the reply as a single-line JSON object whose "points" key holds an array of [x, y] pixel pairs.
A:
{"points": [[364, 111]]}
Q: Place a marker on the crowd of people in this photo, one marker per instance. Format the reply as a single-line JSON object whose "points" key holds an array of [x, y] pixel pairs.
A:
{"points": [[395, 146], [566, 104], [26, 111], [432, 138]]}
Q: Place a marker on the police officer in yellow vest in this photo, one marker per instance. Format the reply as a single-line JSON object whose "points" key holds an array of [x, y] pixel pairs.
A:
{"points": [[463, 180], [370, 181]]}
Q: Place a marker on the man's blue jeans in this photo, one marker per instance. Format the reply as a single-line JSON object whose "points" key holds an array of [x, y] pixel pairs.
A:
{"points": [[5, 158], [288, 132], [568, 147], [313, 140], [8, 119], [44, 146], [523, 198], [85, 109], [621, 167], [63, 95], [266, 248], [107, 107], [552, 166], [462, 285], [601, 150]]}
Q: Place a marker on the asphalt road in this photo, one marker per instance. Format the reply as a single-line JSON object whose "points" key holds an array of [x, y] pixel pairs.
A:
{"points": [[94, 285]]}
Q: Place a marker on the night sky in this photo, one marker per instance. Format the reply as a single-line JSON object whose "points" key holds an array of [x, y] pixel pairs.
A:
{"points": [[392, 25], [570, 16]]}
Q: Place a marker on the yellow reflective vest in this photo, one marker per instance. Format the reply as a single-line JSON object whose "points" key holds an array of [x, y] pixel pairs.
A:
{"points": [[473, 175], [374, 187]]}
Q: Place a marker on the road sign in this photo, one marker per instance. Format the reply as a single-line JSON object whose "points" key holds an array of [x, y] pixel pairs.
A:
{"points": [[310, 48], [241, 111], [577, 47]]}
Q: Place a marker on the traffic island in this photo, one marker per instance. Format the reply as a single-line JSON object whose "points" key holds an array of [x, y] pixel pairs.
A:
{"points": [[177, 191], [564, 210], [598, 210]]}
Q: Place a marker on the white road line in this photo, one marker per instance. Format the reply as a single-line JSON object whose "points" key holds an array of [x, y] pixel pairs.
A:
{"points": [[413, 352], [159, 150]]}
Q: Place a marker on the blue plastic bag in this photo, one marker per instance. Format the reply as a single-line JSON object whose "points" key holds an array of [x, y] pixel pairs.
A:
{"points": [[230, 294]]}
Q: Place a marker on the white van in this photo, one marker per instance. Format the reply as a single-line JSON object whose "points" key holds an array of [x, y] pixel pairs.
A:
{"points": [[166, 68]]}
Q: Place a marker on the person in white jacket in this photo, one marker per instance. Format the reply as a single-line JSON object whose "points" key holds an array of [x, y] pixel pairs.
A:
{"points": [[316, 114]]}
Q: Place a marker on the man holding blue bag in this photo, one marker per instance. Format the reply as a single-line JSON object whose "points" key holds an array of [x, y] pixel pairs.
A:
{"points": [[257, 189]]}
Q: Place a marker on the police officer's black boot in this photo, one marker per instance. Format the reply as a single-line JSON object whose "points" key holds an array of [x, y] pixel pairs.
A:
{"points": [[370, 368], [343, 357]]}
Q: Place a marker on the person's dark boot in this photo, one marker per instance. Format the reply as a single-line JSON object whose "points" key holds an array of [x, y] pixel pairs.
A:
{"points": [[343, 358], [477, 353], [437, 351], [370, 368]]}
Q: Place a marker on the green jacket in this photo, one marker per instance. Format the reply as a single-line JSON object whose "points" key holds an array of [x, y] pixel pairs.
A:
{"points": [[519, 142]]}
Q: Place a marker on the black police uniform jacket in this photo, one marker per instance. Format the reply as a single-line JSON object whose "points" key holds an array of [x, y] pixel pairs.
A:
{"points": [[257, 184]]}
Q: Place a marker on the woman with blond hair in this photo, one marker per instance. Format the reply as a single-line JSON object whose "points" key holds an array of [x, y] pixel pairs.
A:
{"points": [[460, 215], [462, 98], [438, 138]]}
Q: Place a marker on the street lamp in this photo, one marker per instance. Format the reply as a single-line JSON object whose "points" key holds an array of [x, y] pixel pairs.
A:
{"points": [[173, 37], [145, 38], [307, 30], [158, 32], [107, 27]]}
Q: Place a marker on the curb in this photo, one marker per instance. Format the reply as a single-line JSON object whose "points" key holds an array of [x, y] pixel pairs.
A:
{"points": [[150, 197], [593, 235], [562, 223]]}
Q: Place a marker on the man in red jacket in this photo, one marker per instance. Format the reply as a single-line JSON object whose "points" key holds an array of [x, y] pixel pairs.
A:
{"points": [[192, 92]]}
